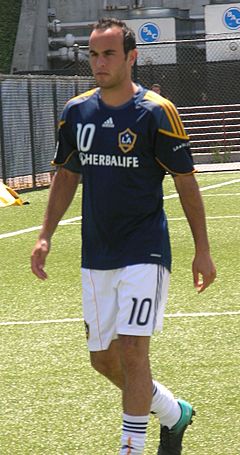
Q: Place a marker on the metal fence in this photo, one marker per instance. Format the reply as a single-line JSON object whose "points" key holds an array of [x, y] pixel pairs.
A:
{"points": [[198, 72], [190, 74], [30, 108]]}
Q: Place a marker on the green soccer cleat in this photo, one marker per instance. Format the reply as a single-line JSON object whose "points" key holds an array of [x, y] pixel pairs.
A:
{"points": [[171, 440]]}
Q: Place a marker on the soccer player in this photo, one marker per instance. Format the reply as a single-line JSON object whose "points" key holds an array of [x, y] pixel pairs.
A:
{"points": [[122, 139]]}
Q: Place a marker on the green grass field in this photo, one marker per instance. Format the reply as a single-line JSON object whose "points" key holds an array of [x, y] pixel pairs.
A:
{"points": [[53, 403]]}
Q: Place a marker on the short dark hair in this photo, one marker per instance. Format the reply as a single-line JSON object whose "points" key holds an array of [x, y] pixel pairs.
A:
{"points": [[157, 86], [129, 38]]}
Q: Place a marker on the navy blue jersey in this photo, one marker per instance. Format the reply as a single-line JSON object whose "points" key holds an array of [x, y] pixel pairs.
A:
{"points": [[123, 154]]}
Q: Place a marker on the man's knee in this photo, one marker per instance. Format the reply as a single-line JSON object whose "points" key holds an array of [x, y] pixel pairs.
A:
{"points": [[108, 363], [134, 351], [99, 363]]}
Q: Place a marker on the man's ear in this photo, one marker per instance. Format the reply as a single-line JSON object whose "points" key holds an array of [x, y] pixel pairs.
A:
{"points": [[133, 56]]}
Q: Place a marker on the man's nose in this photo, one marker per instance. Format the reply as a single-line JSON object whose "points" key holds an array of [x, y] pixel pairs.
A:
{"points": [[100, 61]]}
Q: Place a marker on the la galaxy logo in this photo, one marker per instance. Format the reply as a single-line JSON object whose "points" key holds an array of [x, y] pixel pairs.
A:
{"points": [[126, 140]]}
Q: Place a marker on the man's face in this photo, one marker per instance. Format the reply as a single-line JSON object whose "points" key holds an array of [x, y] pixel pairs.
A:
{"points": [[110, 66], [156, 89]]}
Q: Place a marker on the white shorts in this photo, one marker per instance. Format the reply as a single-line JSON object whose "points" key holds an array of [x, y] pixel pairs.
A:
{"points": [[126, 301]]}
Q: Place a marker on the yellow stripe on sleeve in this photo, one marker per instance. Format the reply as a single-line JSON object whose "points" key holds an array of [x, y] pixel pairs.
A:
{"points": [[177, 121], [82, 95], [61, 123], [177, 128], [65, 162], [171, 171]]}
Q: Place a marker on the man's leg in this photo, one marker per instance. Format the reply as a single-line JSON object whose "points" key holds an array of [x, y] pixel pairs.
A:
{"points": [[137, 379], [163, 404], [134, 308], [136, 393], [126, 364], [108, 364]]}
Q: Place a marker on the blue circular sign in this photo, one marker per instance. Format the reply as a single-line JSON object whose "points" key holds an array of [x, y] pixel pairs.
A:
{"points": [[149, 32], [231, 18]]}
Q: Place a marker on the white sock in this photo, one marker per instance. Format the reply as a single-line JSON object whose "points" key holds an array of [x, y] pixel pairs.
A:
{"points": [[164, 405], [133, 434]]}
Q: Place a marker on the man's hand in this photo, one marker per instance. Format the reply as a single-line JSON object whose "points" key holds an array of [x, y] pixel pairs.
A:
{"points": [[38, 258], [204, 272]]}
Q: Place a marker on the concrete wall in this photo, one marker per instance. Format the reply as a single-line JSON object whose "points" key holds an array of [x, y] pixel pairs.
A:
{"points": [[196, 7], [31, 47], [77, 10], [84, 10]]}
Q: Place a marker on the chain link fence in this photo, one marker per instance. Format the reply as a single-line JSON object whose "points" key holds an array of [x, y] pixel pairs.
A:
{"points": [[191, 73], [197, 72]]}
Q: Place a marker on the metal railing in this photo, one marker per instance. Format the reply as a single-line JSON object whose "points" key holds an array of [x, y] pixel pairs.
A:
{"points": [[214, 132]]}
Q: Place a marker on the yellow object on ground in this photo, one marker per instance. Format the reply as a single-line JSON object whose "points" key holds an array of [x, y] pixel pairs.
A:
{"points": [[8, 196]]}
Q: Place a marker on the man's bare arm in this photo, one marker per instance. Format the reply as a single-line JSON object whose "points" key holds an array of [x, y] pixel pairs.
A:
{"points": [[193, 207], [63, 188]]}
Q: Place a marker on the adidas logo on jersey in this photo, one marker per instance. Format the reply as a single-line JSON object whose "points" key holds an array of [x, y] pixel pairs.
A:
{"points": [[108, 123]]}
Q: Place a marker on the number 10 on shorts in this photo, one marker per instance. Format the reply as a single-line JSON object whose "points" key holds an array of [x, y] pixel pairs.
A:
{"points": [[141, 311]]}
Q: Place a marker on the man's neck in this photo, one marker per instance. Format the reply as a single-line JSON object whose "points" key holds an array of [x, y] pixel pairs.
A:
{"points": [[113, 97]]}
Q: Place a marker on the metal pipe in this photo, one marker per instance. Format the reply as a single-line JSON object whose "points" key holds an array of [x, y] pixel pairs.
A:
{"points": [[63, 40], [67, 54], [77, 24], [56, 26]]}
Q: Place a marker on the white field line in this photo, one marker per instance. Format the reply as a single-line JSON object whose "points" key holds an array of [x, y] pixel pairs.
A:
{"points": [[218, 185], [170, 315], [207, 217], [209, 187], [37, 228], [221, 194], [78, 218]]}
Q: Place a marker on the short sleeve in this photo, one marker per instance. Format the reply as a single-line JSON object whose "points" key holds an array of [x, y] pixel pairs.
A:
{"points": [[66, 151], [173, 154], [171, 143]]}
